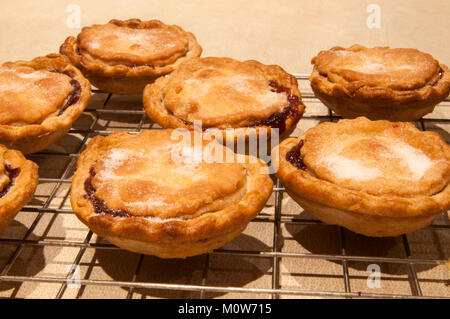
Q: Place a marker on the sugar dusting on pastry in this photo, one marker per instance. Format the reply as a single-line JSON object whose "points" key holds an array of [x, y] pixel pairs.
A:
{"points": [[346, 168], [126, 35], [13, 79], [187, 159], [144, 36], [188, 168], [140, 45], [371, 67], [417, 162], [413, 160], [29, 96], [405, 67], [134, 35], [114, 159], [93, 44], [374, 67], [242, 84], [149, 203], [38, 74]]}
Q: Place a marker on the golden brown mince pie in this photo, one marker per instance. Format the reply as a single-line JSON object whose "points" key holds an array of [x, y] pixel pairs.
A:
{"points": [[376, 178], [18, 180], [379, 83], [39, 101], [123, 56], [225, 93], [154, 194]]}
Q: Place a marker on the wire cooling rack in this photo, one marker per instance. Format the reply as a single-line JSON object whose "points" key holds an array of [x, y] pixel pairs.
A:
{"points": [[284, 252]]}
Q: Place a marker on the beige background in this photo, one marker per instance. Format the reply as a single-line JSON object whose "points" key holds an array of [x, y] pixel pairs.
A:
{"points": [[286, 32]]}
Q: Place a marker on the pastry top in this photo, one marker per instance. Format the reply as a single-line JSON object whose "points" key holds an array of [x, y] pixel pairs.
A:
{"points": [[379, 158], [379, 72], [176, 191], [161, 184], [117, 44], [155, 175], [165, 184], [395, 68], [130, 47], [40, 96], [371, 167], [28, 96], [223, 92]]}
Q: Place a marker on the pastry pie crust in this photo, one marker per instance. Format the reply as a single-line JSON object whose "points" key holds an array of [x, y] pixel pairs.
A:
{"points": [[36, 136], [15, 189], [224, 93], [185, 212], [125, 69], [381, 196], [379, 83]]}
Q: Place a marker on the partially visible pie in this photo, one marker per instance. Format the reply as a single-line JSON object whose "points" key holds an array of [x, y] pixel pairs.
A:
{"points": [[377, 178], [154, 194], [224, 93], [18, 180], [123, 56], [394, 84], [39, 101]]}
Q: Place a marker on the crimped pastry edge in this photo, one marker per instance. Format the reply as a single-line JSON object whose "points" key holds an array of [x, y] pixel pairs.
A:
{"points": [[35, 137], [327, 201], [155, 110], [120, 78], [203, 232], [379, 102]]}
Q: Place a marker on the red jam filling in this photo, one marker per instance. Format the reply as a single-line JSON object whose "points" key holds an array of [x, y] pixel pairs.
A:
{"points": [[99, 204], [74, 95], [295, 158], [12, 174], [278, 120], [441, 74]]}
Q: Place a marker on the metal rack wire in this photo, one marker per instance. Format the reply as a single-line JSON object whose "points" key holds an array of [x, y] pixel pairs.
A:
{"points": [[273, 255]]}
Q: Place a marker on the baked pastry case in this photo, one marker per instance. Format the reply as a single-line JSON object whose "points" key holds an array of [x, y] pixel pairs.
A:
{"points": [[285, 252]]}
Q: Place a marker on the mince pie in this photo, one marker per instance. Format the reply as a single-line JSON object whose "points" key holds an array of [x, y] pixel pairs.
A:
{"points": [[18, 180], [154, 194], [39, 101], [376, 178], [379, 83], [224, 93], [121, 57]]}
